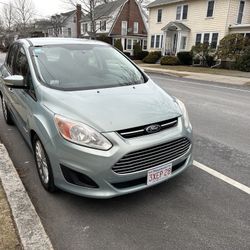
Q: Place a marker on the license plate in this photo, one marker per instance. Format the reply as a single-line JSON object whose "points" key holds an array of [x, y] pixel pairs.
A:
{"points": [[159, 173]]}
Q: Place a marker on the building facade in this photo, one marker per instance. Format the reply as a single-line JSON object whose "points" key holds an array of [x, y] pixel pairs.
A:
{"points": [[176, 25], [122, 19], [66, 24]]}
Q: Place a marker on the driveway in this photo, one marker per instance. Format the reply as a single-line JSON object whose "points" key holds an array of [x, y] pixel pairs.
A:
{"points": [[193, 211]]}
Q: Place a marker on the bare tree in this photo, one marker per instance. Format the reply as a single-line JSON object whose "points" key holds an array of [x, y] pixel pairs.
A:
{"points": [[24, 12], [9, 16], [89, 9], [56, 24]]}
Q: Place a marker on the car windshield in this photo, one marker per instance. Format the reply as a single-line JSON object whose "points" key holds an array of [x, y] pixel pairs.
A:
{"points": [[84, 66]]}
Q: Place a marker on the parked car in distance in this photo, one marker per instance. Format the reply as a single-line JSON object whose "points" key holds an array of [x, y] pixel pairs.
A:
{"points": [[98, 126]]}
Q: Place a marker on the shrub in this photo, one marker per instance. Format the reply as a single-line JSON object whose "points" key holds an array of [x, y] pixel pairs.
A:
{"points": [[205, 53], [169, 60], [232, 46], [127, 54], [141, 55], [185, 58], [152, 57], [243, 62], [137, 51], [118, 44]]}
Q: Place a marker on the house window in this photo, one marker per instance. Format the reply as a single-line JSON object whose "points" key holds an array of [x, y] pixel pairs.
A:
{"points": [[74, 19], [135, 27], [144, 44], [69, 32], [157, 41], [182, 12], [84, 27], [178, 12], [210, 8], [183, 42], [124, 28], [102, 25], [129, 44], [152, 43], [159, 15], [241, 11], [198, 39], [206, 38], [214, 41]]}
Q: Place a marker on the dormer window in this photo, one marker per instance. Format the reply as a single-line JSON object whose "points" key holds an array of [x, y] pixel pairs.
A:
{"points": [[210, 8]]}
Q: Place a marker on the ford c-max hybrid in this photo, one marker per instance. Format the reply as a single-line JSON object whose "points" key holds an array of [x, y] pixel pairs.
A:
{"points": [[97, 124]]}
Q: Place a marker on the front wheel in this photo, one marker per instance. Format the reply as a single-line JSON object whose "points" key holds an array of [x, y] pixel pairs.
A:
{"points": [[43, 166], [6, 113]]}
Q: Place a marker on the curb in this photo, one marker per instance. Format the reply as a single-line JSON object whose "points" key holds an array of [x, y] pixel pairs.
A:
{"points": [[30, 229]]}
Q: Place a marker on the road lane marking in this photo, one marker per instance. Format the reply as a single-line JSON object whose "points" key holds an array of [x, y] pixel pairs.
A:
{"points": [[202, 84], [226, 179]]}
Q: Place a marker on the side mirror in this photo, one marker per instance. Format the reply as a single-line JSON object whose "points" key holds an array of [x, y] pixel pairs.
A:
{"points": [[15, 81]]}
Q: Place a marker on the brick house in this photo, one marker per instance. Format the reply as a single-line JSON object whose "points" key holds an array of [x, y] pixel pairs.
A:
{"points": [[121, 19], [176, 25], [66, 24]]}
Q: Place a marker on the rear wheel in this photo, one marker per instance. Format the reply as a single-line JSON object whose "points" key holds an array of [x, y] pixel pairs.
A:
{"points": [[6, 113], [43, 166]]}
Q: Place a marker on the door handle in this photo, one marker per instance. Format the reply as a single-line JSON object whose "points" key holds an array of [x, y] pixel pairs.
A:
{"points": [[11, 90]]}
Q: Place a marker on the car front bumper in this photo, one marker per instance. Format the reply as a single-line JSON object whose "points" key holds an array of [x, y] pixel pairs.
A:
{"points": [[97, 164]]}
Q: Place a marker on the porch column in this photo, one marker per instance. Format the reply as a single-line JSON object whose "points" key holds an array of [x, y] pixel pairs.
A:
{"points": [[164, 43], [178, 42]]}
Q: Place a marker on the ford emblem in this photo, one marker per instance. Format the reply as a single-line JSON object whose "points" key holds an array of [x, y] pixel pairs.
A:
{"points": [[153, 128]]}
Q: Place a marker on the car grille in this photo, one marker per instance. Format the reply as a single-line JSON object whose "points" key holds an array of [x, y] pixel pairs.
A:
{"points": [[139, 131], [151, 157]]}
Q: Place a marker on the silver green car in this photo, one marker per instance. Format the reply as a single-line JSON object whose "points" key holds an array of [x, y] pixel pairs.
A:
{"points": [[97, 124]]}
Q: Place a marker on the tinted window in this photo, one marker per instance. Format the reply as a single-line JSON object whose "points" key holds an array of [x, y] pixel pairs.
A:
{"points": [[75, 67]]}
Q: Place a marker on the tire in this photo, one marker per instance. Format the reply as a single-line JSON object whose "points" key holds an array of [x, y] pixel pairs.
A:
{"points": [[6, 113], [43, 166]]}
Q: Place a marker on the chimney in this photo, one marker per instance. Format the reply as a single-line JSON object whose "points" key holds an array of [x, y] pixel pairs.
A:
{"points": [[78, 20]]}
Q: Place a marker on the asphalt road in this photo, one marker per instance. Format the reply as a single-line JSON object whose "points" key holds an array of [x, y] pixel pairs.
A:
{"points": [[193, 211]]}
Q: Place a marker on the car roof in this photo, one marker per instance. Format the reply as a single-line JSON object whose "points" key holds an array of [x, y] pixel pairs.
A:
{"points": [[52, 41]]}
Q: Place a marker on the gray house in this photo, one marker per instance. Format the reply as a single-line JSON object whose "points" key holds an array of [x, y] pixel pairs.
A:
{"points": [[66, 24]]}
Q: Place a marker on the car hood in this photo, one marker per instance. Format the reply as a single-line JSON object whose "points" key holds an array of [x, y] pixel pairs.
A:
{"points": [[113, 109]]}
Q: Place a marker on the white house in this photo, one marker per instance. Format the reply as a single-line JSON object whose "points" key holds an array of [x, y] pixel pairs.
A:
{"points": [[176, 25]]}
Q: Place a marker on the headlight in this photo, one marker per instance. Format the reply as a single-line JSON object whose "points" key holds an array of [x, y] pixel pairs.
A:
{"points": [[184, 112], [81, 134]]}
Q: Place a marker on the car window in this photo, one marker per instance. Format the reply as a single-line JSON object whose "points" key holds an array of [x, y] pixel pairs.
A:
{"points": [[84, 66], [11, 57], [21, 67]]}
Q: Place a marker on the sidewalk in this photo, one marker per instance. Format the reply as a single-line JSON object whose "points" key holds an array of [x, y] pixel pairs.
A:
{"points": [[197, 76], [8, 235]]}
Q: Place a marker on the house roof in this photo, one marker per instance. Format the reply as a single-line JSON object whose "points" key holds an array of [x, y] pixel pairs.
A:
{"points": [[178, 25], [162, 2], [104, 10]]}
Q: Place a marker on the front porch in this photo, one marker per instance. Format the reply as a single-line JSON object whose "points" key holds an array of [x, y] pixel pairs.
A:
{"points": [[175, 38]]}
